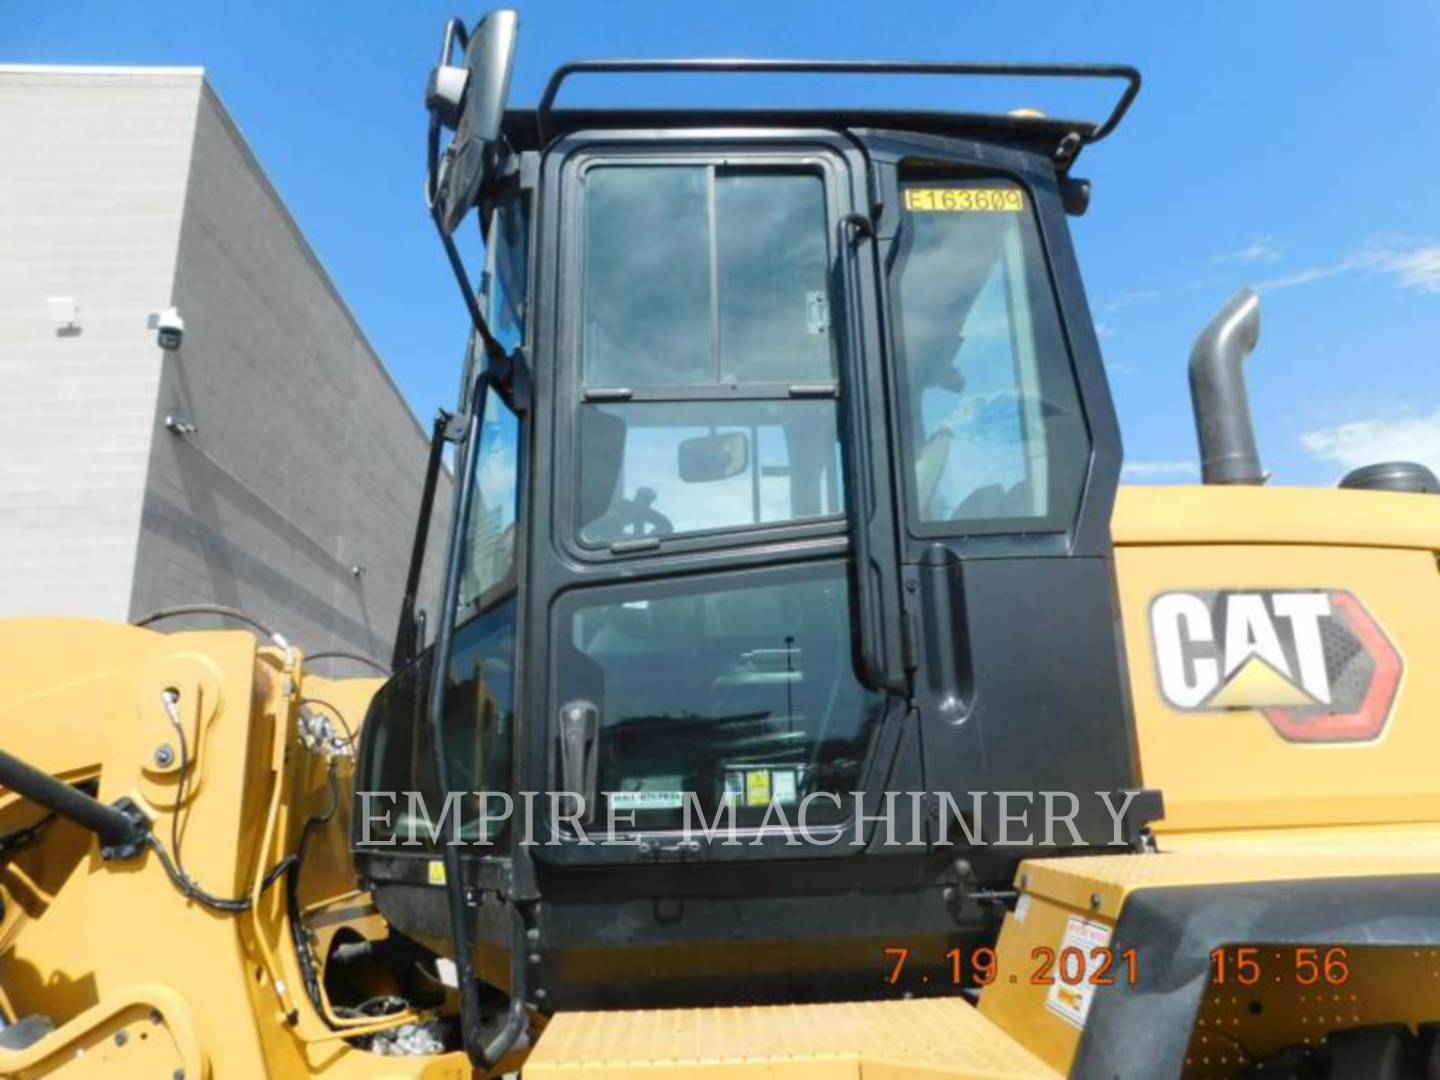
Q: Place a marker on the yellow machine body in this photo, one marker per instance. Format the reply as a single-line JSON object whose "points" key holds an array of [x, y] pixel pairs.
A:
{"points": [[138, 980], [141, 981], [1228, 769]]}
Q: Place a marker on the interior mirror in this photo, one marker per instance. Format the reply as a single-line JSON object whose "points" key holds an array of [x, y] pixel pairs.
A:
{"points": [[483, 89], [714, 457]]}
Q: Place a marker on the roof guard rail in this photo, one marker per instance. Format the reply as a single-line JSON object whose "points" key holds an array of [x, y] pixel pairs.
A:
{"points": [[1097, 131]]}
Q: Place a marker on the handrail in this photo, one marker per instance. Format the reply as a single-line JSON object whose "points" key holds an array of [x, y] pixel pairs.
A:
{"points": [[878, 633], [720, 65]]}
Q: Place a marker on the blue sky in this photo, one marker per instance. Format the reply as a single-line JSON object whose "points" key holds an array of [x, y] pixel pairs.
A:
{"points": [[1286, 145]]}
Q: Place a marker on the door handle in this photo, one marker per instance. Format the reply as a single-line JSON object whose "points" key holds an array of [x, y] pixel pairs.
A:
{"points": [[579, 752]]}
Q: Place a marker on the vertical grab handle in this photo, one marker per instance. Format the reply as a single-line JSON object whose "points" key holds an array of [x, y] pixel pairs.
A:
{"points": [[875, 587], [579, 752]]}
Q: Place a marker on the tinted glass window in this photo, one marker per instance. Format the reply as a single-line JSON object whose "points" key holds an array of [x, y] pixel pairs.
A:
{"points": [[647, 276], [506, 282], [480, 720], [479, 703], [700, 277], [736, 683], [698, 274], [771, 256], [997, 437], [658, 468], [490, 532]]}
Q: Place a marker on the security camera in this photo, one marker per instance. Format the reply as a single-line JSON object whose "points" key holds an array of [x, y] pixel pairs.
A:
{"points": [[170, 329]]}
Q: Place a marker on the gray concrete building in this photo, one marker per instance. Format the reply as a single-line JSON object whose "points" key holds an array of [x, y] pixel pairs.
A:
{"points": [[269, 463]]}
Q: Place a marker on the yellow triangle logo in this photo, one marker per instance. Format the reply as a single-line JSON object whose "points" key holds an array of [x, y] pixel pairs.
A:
{"points": [[1257, 685]]}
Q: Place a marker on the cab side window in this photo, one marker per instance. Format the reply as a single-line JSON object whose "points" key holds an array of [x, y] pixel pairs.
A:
{"points": [[998, 439], [506, 283]]}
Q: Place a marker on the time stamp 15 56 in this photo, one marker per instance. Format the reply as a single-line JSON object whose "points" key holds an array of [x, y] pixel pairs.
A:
{"points": [[1243, 965]]}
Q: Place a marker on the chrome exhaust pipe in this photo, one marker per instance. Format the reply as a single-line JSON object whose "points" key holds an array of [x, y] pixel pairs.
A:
{"points": [[1217, 393]]}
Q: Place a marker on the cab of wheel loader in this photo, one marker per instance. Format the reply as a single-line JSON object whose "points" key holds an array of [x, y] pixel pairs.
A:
{"points": [[784, 471]]}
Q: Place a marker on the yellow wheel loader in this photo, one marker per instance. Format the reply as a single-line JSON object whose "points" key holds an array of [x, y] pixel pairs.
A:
{"points": [[806, 699]]}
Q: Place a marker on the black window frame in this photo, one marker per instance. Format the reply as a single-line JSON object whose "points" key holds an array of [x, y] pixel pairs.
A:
{"points": [[572, 394]]}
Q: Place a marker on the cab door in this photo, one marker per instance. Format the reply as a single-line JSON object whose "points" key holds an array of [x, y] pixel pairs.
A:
{"points": [[1006, 461], [695, 628]]}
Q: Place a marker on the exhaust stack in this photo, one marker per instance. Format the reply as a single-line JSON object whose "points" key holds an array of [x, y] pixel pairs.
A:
{"points": [[1217, 393]]}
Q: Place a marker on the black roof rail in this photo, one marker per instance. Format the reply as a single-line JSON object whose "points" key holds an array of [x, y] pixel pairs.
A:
{"points": [[1097, 131]]}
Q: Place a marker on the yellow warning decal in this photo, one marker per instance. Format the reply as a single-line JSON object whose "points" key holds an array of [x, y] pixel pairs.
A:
{"points": [[965, 200], [437, 872], [757, 787]]}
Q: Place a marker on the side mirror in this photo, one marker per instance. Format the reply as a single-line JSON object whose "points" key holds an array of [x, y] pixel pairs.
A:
{"points": [[713, 457], [472, 100]]}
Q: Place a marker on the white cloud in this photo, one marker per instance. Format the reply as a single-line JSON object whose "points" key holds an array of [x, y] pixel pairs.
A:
{"points": [[1261, 249], [1104, 330], [1307, 275], [1151, 469], [1365, 442], [1414, 264], [1417, 269], [1124, 300]]}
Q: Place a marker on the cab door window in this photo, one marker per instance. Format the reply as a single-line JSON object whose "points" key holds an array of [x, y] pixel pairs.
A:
{"points": [[733, 688], [707, 364]]}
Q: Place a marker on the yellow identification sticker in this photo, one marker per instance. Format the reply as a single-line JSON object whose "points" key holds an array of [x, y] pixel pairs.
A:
{"points": [[757, 787], [965, 200], [437, 871]]}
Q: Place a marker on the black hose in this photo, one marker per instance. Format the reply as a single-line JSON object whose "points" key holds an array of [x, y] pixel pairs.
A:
{"points": [[210, 609], [18, 839], [342, 654], [308, 974], [175, 869], [190, 889]]}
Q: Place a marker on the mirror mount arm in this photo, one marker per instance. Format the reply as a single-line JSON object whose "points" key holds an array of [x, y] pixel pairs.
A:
{"points": [[499, 362]]}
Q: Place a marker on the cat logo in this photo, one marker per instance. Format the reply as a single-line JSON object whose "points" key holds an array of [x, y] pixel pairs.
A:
{"points": [[1312, 661]]}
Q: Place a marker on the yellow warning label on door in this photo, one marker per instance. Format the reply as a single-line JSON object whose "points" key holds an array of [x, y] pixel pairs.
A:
{"points": [[437, 872]]}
